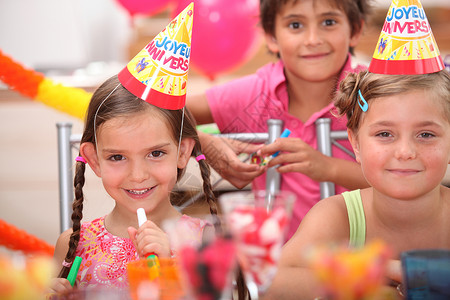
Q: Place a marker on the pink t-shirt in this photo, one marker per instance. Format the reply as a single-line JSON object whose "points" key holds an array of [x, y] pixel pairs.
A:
{"points": [[105, 256], [245, 105]]}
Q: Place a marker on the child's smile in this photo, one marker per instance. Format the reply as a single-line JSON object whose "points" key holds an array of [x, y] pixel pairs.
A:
{"points": [[404, 144], [138, 160], [315, 55], [313, 39], [404, 172], [141, 193]]}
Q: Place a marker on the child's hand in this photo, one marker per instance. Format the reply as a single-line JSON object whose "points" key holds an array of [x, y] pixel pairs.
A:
{"points": [[394, 270], [59, 286], [395, 279], [221, 154], [148, 239], [297, 156]]}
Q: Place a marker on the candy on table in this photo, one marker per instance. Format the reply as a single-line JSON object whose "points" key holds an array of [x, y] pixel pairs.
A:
{"points": [[260, 235], [208, 269], [348, 274], [24, 277]]}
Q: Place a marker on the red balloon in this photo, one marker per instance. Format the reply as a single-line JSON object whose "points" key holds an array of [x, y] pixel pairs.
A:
{"points": [[144, 7], [225, 34]]}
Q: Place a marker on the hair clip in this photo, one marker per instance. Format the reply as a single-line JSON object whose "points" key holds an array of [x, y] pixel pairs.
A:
{"points": [[66, 264], [365, 105], [200, 157], [80, 159]]}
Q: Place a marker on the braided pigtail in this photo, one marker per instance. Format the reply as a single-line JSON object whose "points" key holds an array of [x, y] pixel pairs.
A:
{"points": [[241, 287], [205, 172], [189, 131], [77, 215]]}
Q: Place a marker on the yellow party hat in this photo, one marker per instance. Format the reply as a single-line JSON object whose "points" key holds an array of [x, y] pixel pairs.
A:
{"points": [[406, 44], [158, 74]]}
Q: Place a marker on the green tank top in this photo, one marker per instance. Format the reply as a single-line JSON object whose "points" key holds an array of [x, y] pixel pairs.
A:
{"points": [[356, 218]]}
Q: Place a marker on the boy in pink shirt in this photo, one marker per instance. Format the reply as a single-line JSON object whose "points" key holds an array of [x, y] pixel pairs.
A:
{"points": [[314, 41]]}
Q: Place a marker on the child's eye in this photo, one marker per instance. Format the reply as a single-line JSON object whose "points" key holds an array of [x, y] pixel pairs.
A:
{"points": [[295, 25], [157, 153], [426, 135], [329, 22], [384, 134], [116, 157]]}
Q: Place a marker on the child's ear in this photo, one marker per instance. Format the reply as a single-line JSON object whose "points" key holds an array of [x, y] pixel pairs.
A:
{"points": [[355, 145], [87, 150], [271, 43], [186, 146], [354, 39]]}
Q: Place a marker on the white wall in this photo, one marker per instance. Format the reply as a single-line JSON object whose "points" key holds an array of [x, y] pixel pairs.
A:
{"points": [[47, 34]]}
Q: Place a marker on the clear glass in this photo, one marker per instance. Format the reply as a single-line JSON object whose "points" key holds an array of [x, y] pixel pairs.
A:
{"points": [[258, 222], [207, 258]]}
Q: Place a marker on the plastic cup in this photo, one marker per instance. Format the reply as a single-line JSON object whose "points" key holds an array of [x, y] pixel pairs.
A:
{"points": [[258, 221], [144, 285], [426, 274], [207, 258]]}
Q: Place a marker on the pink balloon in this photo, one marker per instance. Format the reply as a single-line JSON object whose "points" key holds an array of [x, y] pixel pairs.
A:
{"points": [[225, 34], [144, 7]]}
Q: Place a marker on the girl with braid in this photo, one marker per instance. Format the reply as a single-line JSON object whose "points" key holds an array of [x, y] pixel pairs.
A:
{"points": [[133, 146], [138, 139]]}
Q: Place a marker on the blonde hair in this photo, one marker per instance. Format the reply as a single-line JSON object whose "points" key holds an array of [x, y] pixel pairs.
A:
{"points": [[374, 86]]}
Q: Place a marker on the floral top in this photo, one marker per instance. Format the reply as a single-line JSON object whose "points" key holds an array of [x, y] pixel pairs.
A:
{"points": [[105, 256]]}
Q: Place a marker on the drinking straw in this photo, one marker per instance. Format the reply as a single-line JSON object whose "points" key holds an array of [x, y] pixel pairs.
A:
{"points": [[285, 134], [153, 261], [74, 270]]}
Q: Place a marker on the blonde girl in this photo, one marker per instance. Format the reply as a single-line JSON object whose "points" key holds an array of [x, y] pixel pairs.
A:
{"points": [[399, 128]]}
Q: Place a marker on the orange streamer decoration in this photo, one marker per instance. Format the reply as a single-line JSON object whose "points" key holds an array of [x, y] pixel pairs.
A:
{"points": [[17, 239], [19, 78], [32, 84]]}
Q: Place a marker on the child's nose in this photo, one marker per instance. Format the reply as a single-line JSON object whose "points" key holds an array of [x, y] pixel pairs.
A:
{"points": [[138, 172], [313, 36], [405, 149]]}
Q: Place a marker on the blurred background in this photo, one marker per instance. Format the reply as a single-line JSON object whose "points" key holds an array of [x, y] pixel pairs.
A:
{"points": [[81, 43]]}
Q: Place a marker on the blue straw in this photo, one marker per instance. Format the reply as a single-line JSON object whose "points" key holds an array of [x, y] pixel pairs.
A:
{"points": [[285, 134]]}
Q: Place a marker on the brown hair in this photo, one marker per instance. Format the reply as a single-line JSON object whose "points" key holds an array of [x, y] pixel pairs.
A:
{"points": [[374, 86], [121, 102], [356, 11]]}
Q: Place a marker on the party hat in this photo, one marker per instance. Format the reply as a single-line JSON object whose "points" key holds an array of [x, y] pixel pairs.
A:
{"points": [[406, 44], [158, 74]]}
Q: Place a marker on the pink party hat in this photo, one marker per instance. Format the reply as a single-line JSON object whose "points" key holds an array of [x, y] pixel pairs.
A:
{"points": [[158, 74], [406, 44]]}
